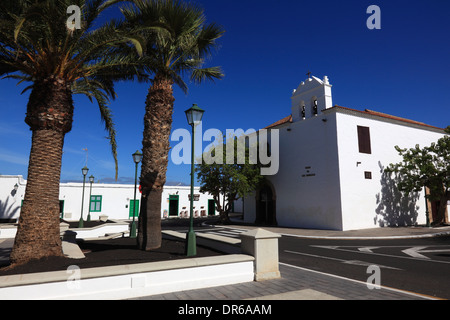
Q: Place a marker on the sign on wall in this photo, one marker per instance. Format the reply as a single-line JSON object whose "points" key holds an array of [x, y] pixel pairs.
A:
{"points": [[196, 197]]}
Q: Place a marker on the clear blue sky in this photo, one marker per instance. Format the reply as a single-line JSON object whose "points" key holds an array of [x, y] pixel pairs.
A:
{"points": [[269, 46]]}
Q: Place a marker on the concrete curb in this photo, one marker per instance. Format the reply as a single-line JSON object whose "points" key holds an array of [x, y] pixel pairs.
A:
{"points": [[422, 236], [220, 243], [298, 233]]}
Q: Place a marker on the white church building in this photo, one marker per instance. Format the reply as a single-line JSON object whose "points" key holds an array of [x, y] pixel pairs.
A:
{"points": [[331, 167]]}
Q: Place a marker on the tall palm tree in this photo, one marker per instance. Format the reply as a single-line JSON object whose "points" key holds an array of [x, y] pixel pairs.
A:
{"points": [[179, 49], [37, 45]]}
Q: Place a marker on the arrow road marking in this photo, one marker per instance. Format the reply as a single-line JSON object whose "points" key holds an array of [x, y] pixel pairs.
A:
{"points": [[416, 252], [413, 253]]}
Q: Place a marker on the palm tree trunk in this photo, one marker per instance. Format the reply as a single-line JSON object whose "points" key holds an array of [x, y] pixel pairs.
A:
{"points": [[49, 115], [156, 145], [38, 231]]}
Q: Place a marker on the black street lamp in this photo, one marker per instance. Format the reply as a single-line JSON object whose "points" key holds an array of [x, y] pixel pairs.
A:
{"points": [[91, 181], [84, 171], [194, 117], [137, 157], [427, 212]]}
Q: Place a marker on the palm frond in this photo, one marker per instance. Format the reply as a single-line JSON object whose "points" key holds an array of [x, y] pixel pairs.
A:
{"points": [[211, 74], [182, 42], [90, 88], [35, 45]]}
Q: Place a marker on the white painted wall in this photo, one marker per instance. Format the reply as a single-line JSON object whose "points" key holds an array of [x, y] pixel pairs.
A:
{"points": [[337, 195], [306, 201], [115, 199], [377, 202], [129, 281], [200, 207], [10, 201]]}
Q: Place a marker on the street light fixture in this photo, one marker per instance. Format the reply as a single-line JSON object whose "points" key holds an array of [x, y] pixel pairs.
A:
{"points": [[84, 171], [194, 117], [137, 157], [14, 190], [91, 181]]}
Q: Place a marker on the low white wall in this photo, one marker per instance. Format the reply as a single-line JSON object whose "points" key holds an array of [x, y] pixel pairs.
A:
{"points": [[8, 231], [101, 231], [129, 281], [115, 199]]}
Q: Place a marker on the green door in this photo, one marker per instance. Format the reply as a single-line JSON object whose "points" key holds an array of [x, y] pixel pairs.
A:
{"points": [[96, 204], [173, 205], [132, 209]]}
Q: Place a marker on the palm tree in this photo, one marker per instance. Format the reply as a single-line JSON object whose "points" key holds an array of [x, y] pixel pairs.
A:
{"points": [[178, 49], [37, 45]]}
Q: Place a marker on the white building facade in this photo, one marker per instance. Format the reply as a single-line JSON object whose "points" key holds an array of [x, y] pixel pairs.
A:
{"points": [[332, 162], [116, 201]]}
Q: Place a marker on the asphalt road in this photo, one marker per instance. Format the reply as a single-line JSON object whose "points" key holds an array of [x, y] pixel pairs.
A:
{"points": [[417, 265]]}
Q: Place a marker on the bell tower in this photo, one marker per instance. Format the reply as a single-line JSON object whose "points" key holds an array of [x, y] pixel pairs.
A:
{"points": [[311, 97]]}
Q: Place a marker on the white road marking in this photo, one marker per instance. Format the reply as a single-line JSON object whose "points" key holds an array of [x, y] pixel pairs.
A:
{"points": [[413, 252], [367, 249], [353, 262], [341, 248], [416, 252], [361, 282]]}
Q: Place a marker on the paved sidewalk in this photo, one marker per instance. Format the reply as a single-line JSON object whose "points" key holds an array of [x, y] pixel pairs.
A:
{"points": [[303, 284], [374, 233], [295, 284]]}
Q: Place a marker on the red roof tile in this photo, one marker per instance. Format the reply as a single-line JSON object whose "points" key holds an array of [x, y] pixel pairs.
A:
{"points": [[387, 116], [288, 119]]}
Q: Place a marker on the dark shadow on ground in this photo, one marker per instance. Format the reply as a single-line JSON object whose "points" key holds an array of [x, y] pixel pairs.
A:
{"points": [[101, 253]]}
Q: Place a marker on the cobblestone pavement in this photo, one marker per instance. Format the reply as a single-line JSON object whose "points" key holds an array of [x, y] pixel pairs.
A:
{"points": [[295, 284]]}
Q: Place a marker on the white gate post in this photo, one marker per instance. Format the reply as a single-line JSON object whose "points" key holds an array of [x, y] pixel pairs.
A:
{"points": [[263, 246]]}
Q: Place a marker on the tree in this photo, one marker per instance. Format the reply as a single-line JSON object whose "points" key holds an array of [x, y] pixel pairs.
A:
{"points": [[228, 182], [179, 48], [426, 167], [39, 44]]}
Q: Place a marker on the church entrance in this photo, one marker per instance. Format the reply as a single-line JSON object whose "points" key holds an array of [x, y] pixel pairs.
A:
{"points": [[266, 205]]}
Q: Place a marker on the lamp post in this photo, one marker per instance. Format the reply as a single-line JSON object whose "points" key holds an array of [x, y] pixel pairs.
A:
{"points": [[137, 157], [84, 171], [427, 212], [194, 117], [91, 181]]}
